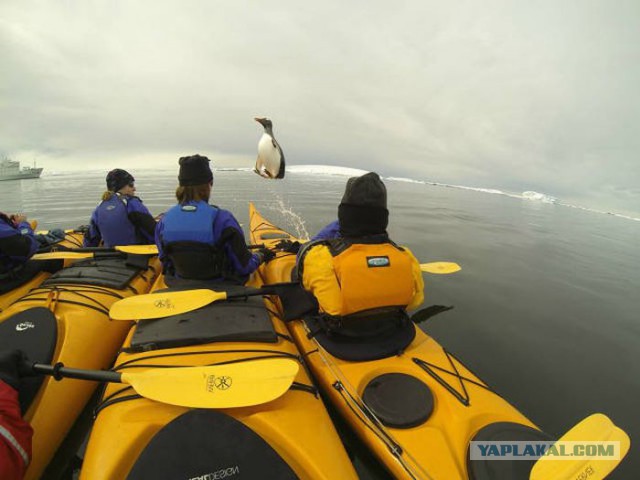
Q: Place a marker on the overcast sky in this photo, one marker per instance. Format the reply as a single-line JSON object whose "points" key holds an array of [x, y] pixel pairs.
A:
{"points": [[515, 95]]}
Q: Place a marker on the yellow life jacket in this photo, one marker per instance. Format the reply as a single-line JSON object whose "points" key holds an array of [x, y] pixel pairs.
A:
{"points": [[350, 278]]}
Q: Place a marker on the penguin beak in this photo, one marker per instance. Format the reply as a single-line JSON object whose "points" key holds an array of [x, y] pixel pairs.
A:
{"points": [[260, 120]]}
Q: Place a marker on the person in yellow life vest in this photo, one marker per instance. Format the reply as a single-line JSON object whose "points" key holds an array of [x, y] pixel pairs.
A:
{"points": [[363, 282]]}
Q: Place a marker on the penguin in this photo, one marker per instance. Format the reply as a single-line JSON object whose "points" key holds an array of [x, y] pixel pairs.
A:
{"points": [[270, 162]]}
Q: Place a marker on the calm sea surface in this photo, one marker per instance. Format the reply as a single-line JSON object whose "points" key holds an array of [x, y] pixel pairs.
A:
{"points": [[547, 305]]}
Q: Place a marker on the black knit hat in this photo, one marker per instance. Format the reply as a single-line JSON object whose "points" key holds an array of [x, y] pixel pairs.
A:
{"points": [[194, 170], [118, 178], [363, 210]]}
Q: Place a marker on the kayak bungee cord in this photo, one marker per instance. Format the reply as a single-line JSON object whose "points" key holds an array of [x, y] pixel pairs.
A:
{"points": [[394, 448], [430, 369], [80, 292]]}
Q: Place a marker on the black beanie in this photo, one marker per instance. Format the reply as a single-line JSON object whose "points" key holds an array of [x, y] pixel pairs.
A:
{"points": [[194, 170], [118, 178], [363, 210]]}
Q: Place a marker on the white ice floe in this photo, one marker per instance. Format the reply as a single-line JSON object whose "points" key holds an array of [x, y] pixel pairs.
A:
{"points": [[326, 170], [539, 197]]}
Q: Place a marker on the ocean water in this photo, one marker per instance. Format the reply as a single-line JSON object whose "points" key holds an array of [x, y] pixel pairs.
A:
{"points": [[546, 307]]}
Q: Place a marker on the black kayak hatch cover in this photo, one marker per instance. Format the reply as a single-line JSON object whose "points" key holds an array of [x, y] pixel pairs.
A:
{"points": [[502, 469], [35, 332], [399, 400], [208, 444]]}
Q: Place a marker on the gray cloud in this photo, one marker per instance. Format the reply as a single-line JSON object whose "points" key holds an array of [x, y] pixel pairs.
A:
{"points": [[512, 95]]}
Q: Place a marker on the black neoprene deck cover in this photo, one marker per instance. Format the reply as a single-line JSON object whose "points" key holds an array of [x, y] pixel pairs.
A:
{"points": [[504, 469], [108, 272], [208, 444], [35, 332], [231, 321]]}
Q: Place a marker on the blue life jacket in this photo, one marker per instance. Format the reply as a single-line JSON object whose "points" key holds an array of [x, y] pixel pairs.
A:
{"points": [[113, 221], [189, 241], [11, 263]]}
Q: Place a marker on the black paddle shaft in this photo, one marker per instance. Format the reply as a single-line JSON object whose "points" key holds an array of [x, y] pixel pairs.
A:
{"points": [[59, 371]]}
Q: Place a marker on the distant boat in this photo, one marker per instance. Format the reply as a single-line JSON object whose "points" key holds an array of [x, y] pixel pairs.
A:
{"points": [[10, 170]]}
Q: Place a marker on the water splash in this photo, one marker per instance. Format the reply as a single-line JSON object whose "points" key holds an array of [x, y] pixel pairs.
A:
{"points": [[293, 221]]}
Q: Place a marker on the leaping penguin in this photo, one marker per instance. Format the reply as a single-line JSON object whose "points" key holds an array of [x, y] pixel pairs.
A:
{"points": [[270, 162]]}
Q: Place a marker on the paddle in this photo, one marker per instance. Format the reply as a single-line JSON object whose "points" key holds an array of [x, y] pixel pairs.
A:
{"points": [[440, 267], [88, 252], [164, 304], [595, 428], [215, 386]]}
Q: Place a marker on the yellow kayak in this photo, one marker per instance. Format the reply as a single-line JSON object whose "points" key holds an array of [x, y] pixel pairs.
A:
{"points": [[66, 319], [290, 436], [416, 409], [72, 239]]}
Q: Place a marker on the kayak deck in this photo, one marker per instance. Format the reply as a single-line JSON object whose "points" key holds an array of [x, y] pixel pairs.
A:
{"points": [[291, 436]]}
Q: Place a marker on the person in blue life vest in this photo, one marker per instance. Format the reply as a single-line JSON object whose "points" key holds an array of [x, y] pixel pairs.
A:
{"points": [[120, 218], [352, 265], [15, 433], [198, 241], [17, 243]]}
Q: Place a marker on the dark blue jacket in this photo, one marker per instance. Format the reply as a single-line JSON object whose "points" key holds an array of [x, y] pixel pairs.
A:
{"points": [[121, 220], [17, 244], [207, 225], [328, 232]]}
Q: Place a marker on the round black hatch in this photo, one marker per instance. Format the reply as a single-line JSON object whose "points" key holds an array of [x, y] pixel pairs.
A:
{"points": [[399, 400]]}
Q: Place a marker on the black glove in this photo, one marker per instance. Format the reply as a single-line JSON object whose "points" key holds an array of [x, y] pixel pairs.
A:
{"points": [[265, 255], [288, 246], [10, 363]]}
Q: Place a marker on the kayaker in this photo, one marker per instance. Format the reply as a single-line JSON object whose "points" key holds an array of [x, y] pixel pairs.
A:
{"points": [[121, 218], [15, 433], [17, 242], [17, 245], [352, 265], [199, 241]]}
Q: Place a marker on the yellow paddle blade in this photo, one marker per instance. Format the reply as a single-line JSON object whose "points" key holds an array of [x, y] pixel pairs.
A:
{"points": [[440, 267], [594, 428], [61, 255], [138, 249], [163, 304], [217, 386]]}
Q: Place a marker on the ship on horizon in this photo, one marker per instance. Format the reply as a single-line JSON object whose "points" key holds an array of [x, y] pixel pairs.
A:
{"points": [[10, 170]]}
